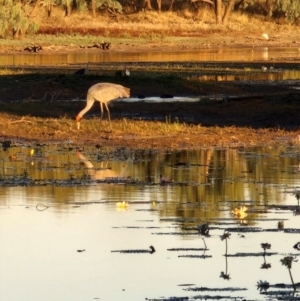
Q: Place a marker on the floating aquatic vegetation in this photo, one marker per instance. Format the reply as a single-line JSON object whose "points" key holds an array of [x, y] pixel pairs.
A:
{"points": [[244, 229], [151, 250], [131, 227], [122, 205], [292, 230], [172, 233], [226, 236], [170, 299], [287, 261], [184, 165], [297, 196], [286, 295], [203, 229], [265, 266], [208, 289], [296, 211], [240, 254], [284, 207], [265, 246], [187, 249], [225, 276], [263, 285], [280, 225], [150, 209], [196, 256], [199, 297], [283, 285], [272, 230], [280, 295], [17, 180], [240, 212]]}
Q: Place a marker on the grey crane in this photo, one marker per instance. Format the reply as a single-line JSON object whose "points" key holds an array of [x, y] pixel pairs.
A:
{"points": [[104, 93]]}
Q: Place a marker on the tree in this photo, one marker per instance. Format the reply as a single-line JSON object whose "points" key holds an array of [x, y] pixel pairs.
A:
{"points": [[66, 4], [112, 6], [222, 9], [93, 3], [291, 8], [15, 18]]}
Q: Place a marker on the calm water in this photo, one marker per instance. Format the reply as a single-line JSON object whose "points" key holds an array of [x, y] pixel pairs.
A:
{"points": [[52, 204], [251, 54], [69, 62]]}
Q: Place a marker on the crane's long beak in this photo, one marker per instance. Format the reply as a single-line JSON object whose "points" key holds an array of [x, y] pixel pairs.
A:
{"points": [[78, 118]]}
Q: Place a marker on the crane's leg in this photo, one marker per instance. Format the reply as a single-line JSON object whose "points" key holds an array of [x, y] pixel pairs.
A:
{"points": [[107, 109], [101, 110]]}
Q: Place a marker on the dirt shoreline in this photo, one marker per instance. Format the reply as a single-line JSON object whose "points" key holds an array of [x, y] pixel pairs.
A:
{"points": [[206, 39]]}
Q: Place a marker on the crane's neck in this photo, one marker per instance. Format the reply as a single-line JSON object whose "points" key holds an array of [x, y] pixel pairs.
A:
{"points": [[79, 116]]}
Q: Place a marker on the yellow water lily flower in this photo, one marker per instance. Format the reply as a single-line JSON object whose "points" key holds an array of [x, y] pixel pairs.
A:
{"points": [[240, 212], [122, 204]]}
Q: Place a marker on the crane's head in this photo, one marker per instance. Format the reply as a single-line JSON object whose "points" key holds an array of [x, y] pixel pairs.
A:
{"points": [[78, 118]]}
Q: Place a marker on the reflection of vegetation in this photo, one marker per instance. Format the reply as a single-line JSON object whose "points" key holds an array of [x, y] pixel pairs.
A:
{"points": [[207, 289], [151, 250], [263, 285], [204, 230], [287, 261], [265, 246], [280, 225], [225, 275], [226, 236], [203, 179], [297, 210], [224, 175]]}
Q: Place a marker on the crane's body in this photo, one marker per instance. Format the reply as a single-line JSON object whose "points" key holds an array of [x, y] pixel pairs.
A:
{"points": [[104, 93]]}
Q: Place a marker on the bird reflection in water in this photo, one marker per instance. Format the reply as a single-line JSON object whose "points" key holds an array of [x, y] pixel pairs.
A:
{"points": [[100, 174]]}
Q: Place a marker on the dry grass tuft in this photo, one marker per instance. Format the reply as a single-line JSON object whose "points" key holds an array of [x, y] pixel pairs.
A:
{"points": [[138, 134]]}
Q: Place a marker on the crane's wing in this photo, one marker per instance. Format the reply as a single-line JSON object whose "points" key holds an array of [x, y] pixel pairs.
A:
{"points": [[105, 92]]}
